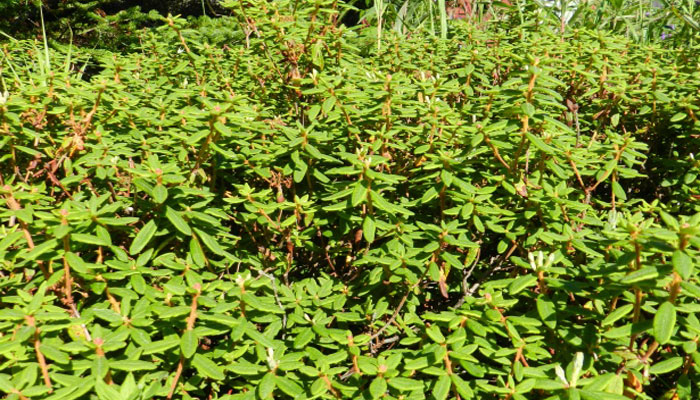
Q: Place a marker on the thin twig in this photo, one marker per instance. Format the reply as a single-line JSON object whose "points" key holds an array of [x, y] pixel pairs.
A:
{"points": [[496, 153], [353, 371], [14, 205], [191, 319], [465, 288], [279, 303], [39, 355], [398, 309], [493, 270], [76, 314]]}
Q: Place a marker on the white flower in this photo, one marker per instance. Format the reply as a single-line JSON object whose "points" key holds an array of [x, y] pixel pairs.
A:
{"points": [[561, 374], [612, 218], [271, 362], [540, 262], [4, 96], [578, 366], [241, 280]]}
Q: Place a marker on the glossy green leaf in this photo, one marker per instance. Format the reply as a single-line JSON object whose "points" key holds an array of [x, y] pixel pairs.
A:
{"points": [[664, 322], [178, 222], [207, 367], [189, 343], [143, 237]]}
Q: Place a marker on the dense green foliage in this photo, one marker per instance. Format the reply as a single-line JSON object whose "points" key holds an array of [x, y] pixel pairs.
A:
{"points": [[274, 206], [112, 23]]}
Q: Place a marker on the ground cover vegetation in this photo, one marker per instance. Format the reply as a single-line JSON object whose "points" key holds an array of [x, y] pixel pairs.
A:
{"points": [[273, 205]]}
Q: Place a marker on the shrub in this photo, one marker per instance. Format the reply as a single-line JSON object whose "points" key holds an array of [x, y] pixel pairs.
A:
{"points": [[298, 215]]}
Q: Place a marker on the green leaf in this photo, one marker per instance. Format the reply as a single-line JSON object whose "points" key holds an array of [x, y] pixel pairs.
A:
{"points": [[196, 252], [528, 109], [143, 237], [642, 274], [258, 337], [160, 193], [178, 222], [8, 347], [405, 384], [547, 311], [378, 387], [189, 343], [303, 338], [682, 263], [462, 387], [678, 117], [288, 386], [161, 346], [661, 97], [359, 194], [451, 259], [37, 300], [132, 365], [442, 387], [539, 143], [521, 283], [266, 386], [666, 366], [266, 305], [664, 322], [76, 263], [210, 242], [693, 290], [598, 395], [313, 152], [54, 354], [107, 315], [619, 191], [434, 333], [5, 385], [106, 392], [88, 239], [369, 228], [615, 120], [40, 249], [328, 104], [207, 367], [244, 369], [618, 313], [100, 367], [429, 195]]}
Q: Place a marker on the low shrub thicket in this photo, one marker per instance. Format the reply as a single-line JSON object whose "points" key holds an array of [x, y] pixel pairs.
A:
{"points": [[293, 213]]}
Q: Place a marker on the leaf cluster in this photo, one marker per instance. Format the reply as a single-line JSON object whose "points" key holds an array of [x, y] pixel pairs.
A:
{"points": [[299, 214]]}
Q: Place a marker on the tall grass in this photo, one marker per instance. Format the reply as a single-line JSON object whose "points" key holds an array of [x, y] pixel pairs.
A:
{"points": [[641, 20]]}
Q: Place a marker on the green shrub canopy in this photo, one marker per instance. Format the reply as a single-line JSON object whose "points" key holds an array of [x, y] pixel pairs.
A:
{"points": [[292, 213]]}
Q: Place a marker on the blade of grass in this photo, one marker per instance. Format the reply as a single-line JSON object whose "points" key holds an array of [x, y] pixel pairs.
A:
{"points": [[8, 36], [46, 42], [443, 19], [398, 24], [432, 18], [70, 51], [9, 63], [379, 10]]}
